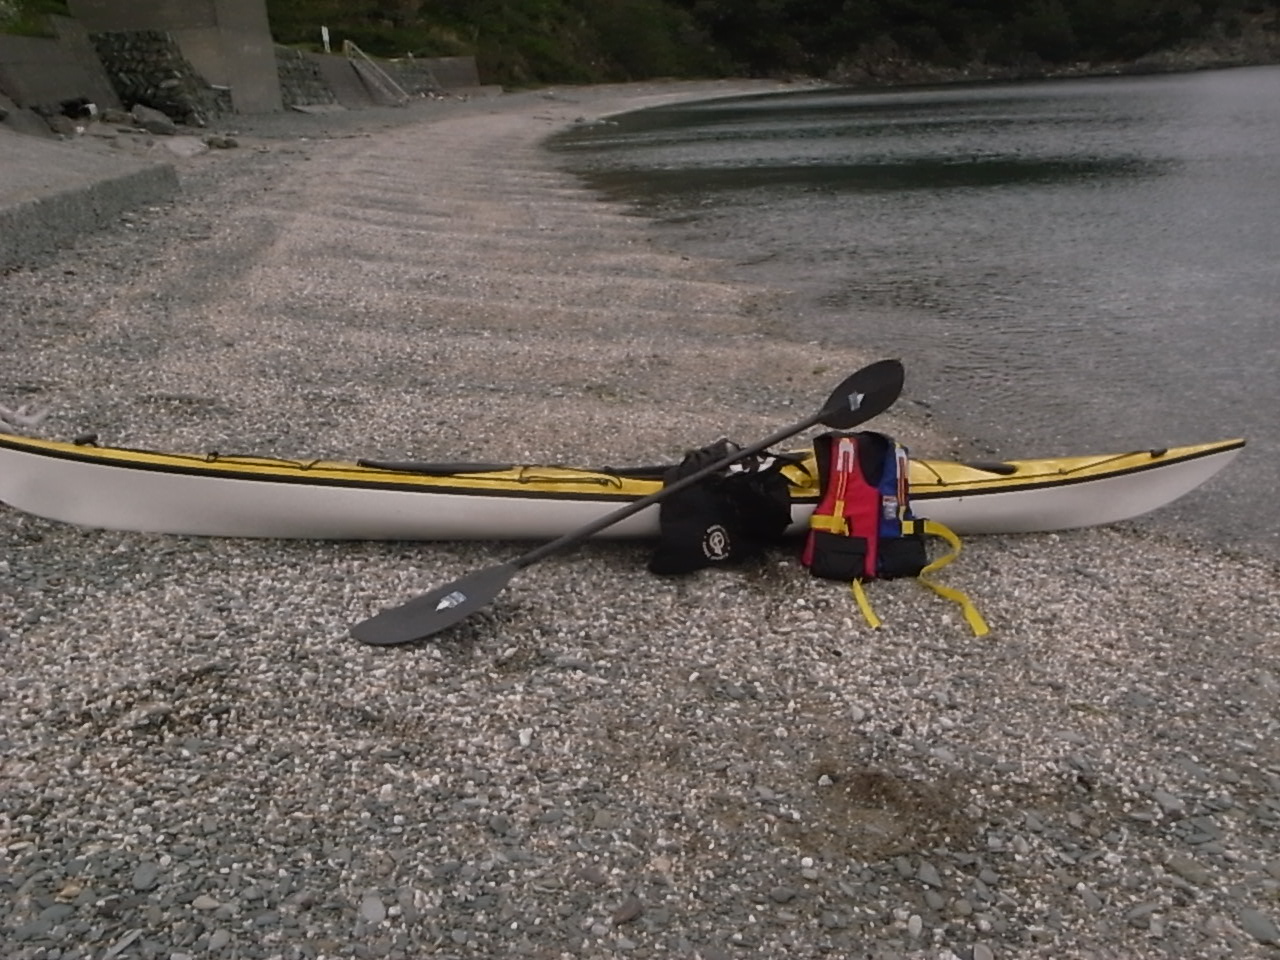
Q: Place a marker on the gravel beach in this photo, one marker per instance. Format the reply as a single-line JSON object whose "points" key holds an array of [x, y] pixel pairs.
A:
{"points": [[197, 761]]}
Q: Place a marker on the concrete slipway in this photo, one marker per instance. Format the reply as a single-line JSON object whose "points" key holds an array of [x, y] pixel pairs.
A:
{"points": [[53, 191]]}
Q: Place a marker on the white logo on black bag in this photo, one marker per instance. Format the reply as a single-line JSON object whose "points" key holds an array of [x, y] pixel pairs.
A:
{"points": [[716, 544]]}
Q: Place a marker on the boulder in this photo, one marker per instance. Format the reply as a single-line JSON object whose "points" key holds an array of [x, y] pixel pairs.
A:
{"points": [[153, 121]]}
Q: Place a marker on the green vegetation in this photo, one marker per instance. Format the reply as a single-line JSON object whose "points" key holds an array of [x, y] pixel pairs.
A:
{"points": [[522, 42], [28, 17], [531, 42]]}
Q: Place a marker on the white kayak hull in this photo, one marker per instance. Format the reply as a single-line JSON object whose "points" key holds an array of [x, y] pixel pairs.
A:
{"points": [[149, 491]]}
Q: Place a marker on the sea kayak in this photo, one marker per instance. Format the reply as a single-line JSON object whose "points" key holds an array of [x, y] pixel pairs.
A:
{"points": [[119, 488]]}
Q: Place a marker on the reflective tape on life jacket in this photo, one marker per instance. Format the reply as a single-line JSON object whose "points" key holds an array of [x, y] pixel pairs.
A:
{"points": [[849, 507]]}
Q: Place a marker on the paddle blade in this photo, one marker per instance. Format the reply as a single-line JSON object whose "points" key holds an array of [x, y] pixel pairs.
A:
{"points": [[432, 612], [866, 394]]}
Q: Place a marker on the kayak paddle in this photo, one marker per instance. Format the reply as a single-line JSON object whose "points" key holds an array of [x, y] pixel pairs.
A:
{"points": [[869, 392]]}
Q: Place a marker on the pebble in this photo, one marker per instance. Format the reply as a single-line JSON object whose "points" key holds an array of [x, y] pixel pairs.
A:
{"points": [[1090, 898], [1189, 869], [145, 877], [630, 909], [372, 909], [1259, 926], [928, 875], [1138, 916]]}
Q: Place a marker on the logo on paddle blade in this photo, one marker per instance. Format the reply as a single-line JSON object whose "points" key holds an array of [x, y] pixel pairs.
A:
{"points": [[455, 599], [855, 400]]}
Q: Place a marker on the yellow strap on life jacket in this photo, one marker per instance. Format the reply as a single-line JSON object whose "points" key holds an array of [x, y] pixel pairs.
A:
{"points": [[931, 527], [831, 524], [865, 605]]}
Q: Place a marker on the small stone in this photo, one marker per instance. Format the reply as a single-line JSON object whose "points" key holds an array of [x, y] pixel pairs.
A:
{"points": [[782, 894], [915, 926], [205, 902], [630, 909], [1259, 926], [928, 874], [499, 824], [119, 946], [1188, 869], [57, 913], [983, 952], [145, 877], [219, 939], [185, 147], [1138, 916], [1170, 804], [372, 909], [604, 820]]}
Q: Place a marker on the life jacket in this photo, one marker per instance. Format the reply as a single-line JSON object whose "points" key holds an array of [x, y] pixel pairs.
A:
{"points": [[863, 527]]}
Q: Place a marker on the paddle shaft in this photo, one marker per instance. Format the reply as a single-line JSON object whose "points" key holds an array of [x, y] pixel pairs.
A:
{"points": [[608, 520], [859, 397]]}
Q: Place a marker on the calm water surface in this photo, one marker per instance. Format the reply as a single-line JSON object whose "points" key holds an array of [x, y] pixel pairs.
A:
{"points": [[1065, 267]]}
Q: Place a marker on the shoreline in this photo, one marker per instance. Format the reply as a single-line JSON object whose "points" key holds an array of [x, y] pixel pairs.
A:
{"points": [[197, 759]]}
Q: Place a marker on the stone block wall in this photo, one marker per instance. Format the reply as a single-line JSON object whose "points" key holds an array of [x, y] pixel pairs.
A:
{"points": [[301, 82], [415, 76], [147, 67], [227, 41]]}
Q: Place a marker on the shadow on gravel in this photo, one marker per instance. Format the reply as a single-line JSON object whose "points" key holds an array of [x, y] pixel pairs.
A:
{"points": [[871, 815]]}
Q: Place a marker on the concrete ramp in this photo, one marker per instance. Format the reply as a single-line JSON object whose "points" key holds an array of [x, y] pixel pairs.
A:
{"points": [[53, 191], [347, 87]]}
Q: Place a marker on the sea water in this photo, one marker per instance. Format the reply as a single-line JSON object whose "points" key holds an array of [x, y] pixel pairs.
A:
{"points": [[1075, 266]]}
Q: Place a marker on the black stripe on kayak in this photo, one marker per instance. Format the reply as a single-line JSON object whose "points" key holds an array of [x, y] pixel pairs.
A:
{"points": [[202, 467], [1159, 458]]}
